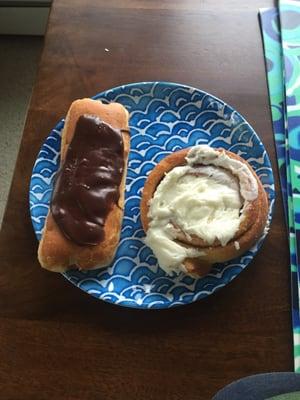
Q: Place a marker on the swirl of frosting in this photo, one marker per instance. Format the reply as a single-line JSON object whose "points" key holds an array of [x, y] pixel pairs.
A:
{"points": [[202, 203]]}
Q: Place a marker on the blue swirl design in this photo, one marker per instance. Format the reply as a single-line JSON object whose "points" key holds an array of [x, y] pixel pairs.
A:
{"points": [[165, 117]]}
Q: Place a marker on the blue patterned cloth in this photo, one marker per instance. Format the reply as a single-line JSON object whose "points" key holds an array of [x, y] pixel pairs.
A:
{"points": [[275, 77]]}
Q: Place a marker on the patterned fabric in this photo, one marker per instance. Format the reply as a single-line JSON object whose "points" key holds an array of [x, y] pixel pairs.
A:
{"points": [[275, 75], [290, 36]]}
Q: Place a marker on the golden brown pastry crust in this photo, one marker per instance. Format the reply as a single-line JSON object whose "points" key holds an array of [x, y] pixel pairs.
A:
{"points": [[249, 231], [56, 252]]}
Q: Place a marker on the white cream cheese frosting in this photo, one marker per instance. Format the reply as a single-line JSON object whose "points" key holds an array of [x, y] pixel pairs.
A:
{"points": [[207, 155], [204, 198]]}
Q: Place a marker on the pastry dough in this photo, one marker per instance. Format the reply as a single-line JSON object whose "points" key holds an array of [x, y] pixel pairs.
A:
{"points": [[58, 253], [229, 198]]}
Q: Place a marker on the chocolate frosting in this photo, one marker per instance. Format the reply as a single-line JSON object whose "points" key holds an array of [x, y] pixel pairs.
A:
{"points": [[87, 183]]}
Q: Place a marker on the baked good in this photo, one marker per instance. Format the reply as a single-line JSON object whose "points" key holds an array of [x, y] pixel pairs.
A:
{"points": [[200, 206], [82, 228]]}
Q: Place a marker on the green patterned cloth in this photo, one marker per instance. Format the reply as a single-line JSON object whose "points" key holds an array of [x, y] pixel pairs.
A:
{"points": [[289, 11], [274, 65]]}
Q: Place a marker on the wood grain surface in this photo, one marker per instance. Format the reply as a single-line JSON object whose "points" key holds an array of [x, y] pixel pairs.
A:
{"points": [[56, 342]]}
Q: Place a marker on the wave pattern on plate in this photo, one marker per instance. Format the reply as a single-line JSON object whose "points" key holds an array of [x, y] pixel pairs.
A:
{"points": [[165, 117]]}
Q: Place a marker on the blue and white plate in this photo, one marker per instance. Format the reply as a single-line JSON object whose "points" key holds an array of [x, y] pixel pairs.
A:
{"points": [[164, 117]]}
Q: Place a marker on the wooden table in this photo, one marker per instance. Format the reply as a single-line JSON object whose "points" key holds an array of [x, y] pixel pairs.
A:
{"points": [[57, 342]]}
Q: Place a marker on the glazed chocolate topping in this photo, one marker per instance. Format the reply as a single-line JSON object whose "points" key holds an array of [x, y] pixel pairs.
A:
{"points": [[87, 183]]}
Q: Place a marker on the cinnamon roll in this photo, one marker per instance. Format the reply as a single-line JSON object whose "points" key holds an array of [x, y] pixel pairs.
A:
{"points": [[201, 206]]}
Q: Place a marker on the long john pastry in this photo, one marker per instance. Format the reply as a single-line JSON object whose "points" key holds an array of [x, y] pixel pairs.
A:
{"points": [[82, 228], [201, 206]]}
